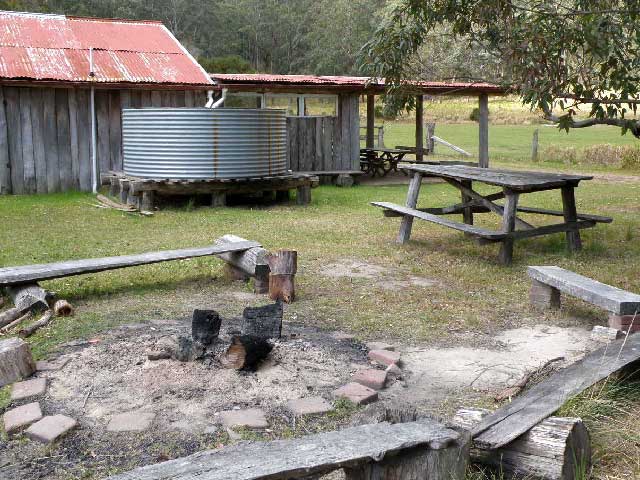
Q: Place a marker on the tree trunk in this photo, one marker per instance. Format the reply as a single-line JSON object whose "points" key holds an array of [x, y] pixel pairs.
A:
{"points": [[245, 353], [29, 297], [557, 448], [283, 266], [16, 361]]}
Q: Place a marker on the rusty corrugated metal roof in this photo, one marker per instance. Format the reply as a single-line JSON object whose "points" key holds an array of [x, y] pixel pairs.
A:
{"points": [[40, 47], [358, 83]]}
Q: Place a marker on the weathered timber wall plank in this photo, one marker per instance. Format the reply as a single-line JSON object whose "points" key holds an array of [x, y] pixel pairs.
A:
{"points": [[50, 134], [40, 156], [64, 138], [28, 160], [5, 165], [74, 141], [12, 97]]}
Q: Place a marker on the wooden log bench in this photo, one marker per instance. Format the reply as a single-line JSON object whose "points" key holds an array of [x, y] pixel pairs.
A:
{"points": [[423, 450], [548, 282]]}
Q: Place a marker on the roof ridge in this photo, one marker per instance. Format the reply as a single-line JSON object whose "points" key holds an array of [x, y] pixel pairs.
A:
{"points": [[77, 18], [95, 49]]}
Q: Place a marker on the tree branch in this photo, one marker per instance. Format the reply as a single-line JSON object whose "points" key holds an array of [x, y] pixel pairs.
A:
{"points": [[632, 125]]}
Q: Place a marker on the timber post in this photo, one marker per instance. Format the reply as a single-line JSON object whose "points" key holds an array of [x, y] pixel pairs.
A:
{"points": [[483, 123], [419, 127], [371, 118]]}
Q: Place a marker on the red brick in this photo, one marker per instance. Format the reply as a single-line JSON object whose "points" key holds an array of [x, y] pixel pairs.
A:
{"points": [[371, 377], [50, 428], [384, 357], [21, 417], [623, 322], [358, 394], [309, 406]]}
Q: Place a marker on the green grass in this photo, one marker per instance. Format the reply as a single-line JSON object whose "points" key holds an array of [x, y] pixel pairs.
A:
{"points": [[508, 143]]}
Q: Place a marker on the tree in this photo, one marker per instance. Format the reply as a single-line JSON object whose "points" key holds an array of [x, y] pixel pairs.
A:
{"points": [[556, 54]]}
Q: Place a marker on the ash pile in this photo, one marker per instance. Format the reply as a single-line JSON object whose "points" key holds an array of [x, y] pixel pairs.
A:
{"points": [[249, 345]]}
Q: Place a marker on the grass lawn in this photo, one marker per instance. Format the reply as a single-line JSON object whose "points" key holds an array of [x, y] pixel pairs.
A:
{"points": [[509, 143], [474, 293]]}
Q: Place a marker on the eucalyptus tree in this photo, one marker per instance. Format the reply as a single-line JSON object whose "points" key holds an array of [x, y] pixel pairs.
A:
{"points": [[558, 55]]}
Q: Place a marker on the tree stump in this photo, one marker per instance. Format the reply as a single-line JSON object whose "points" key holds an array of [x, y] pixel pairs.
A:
{"points": [[557, 448], [283, 265], [245, 353], [263, 322], [16, 361]]}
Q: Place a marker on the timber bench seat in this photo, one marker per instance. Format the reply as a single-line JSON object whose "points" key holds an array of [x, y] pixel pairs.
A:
{"points": [[382, 451], [548, 282], [29, 274], [429, 217]]}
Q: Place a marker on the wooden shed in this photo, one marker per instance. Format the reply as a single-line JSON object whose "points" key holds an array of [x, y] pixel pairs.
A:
{"points": [[324, 117], [63, 84]]}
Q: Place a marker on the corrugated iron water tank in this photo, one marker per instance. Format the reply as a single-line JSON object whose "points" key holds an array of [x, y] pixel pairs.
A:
{"points": [[204, 143]]}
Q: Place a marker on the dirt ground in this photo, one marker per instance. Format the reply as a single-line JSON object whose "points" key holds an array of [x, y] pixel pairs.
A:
{"points": [[111, 374]]}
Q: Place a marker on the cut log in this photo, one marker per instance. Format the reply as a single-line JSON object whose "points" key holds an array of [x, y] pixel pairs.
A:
{"points": [[205, 326], [16, 361], [557, 448], [37, 325], [542, 400], [30, 297], [263, 322], [252, 262], [246, 353], [62, 308], [283, 266]]}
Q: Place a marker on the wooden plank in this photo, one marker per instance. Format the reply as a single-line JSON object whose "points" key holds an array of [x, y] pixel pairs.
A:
{"points": [[419, 127], [73, 132], [542, 400], [102, 123], [115, 132], [318, 155], [450, 145], [553, 228], [64, 139], [51, 139], [610, 298], [39, 154], [125, 99], [136, 98], [557, 213], [145, 98], [28, 158], [337, 141], [471, 229], [466, 190], [307, 456], [189, 99], [178, 99], [570, 216], [513, 179], [253, 261], [508, 225], [165, 96], [354, 135], [83, 125], [156, 99], [310, 144], [5, 162], [371, 121], [14, 129], [483, 131], [327, 143], [35, 273]]}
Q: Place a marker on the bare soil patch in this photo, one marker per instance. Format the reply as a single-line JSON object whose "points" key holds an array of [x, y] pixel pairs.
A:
{"points": [[382, 276]]}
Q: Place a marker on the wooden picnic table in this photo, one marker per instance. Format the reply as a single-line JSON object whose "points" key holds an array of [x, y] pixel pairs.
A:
{"points": [[512, 184], [381, 161]]}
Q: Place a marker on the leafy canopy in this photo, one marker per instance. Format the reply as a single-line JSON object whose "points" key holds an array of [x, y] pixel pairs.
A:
{"points": [[556, 54]]}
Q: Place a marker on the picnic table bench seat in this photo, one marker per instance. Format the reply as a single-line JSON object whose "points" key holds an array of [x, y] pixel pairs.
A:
{"points": [[463, 227]]}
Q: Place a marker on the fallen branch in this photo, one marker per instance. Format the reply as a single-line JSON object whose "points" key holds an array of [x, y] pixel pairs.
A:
{"points": [[107, 202], [37, 325], [8, 327], [515, 389]]}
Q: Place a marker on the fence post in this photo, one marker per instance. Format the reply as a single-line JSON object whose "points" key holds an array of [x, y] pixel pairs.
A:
{"points": [[534, 146], [430, 144]]}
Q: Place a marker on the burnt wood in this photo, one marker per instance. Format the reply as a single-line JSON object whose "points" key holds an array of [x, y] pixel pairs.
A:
{"points": [[509, 422], [314, 455], [205, 326], [613, 299], [263, 322], [246, 352], [33, 273]]}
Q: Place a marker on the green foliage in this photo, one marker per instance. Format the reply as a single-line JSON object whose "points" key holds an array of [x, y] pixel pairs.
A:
{"points": [[226, 64], [554, 54], [474, 116]]}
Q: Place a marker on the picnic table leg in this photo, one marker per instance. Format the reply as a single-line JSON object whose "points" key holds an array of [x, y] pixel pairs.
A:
{"points": [[508, 226], [570, 215], [467, 213], [412, 201]]}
